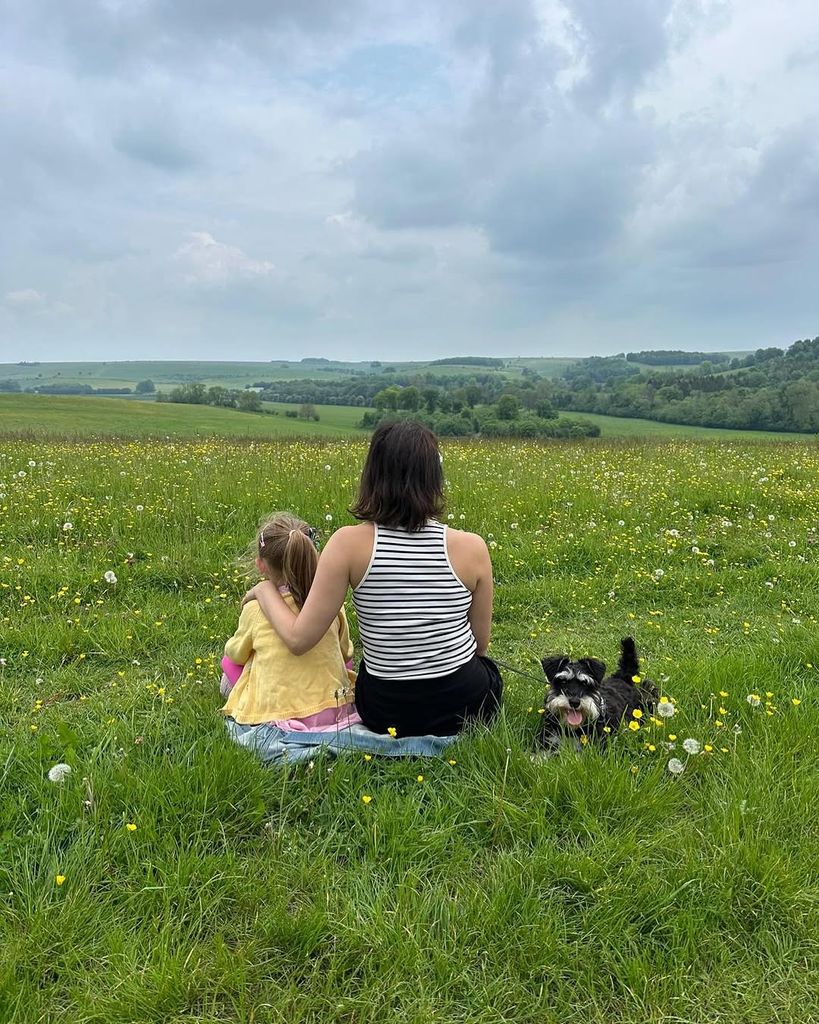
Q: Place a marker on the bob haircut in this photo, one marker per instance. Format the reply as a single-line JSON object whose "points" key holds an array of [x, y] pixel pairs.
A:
{"points": [[402, 483]]}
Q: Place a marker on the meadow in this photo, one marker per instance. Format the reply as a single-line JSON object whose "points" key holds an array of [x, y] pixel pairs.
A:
{"points": [[170, 877], [46, 416], [236, 374], [53, 416]]}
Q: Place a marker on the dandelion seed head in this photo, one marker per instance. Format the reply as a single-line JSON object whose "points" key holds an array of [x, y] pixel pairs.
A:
{"points": [[59, 772]]}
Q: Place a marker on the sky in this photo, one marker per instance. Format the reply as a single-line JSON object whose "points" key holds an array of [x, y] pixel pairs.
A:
{"points": [[360, 179]]}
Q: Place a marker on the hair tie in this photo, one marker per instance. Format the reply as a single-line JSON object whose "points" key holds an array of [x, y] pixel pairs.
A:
{"points": [[261, 538]]}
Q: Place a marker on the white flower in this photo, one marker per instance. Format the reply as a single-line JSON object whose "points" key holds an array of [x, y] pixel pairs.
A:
{"points": [[753, 700], [328, 467], [328, 518], [665, 709], [658, 574], [791, 543], [110, 576], [59, 772], [32, 463], [67, 527], [695, 550], [140, 508], [621, 522], [675, 766], [691, 746]]}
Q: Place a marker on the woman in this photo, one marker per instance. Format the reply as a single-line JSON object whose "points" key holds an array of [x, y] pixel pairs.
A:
{"points": [[422, 594]]}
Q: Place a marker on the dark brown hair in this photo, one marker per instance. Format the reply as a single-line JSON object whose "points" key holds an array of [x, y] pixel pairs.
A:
{"points": [[402, 483], [286, 545]]}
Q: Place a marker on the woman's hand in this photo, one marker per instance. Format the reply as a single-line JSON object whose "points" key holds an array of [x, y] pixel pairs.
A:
{"points": [[253, 593]]}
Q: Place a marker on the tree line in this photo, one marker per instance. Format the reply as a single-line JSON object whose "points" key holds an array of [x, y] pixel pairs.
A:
{"points": [[770, 389]]}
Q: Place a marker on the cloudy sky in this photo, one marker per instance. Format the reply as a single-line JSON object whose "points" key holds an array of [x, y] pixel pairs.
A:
{"points": [[266, 179]]}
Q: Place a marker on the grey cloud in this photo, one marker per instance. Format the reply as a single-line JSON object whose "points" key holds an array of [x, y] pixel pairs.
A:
{"points": [[620, 43], [411, 185], [155, 144]]}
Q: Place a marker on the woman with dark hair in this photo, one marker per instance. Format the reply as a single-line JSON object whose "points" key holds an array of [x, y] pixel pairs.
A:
{"points": [[422, 594]]}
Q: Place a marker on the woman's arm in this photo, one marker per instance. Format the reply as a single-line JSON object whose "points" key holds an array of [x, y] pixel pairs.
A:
{"points": [[480, 611], [301, 631]]}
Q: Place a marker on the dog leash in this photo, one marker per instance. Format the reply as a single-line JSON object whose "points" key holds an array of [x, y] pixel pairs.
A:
{"points": [[529, 675]]}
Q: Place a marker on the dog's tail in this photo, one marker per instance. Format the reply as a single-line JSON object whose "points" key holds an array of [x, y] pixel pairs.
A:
{"points": [[629, 664]]}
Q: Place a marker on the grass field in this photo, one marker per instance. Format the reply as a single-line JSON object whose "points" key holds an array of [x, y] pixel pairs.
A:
{"points": [[55, 416], [619, 426], [52, 415], [170, 373], [170, 877]]}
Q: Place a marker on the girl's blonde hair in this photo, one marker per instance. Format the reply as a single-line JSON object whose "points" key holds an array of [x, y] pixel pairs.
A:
{"points": [[286, 545]]}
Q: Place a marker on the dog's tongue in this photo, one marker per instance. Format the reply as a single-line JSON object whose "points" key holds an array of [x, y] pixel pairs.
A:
{"points": [[574, 716]]}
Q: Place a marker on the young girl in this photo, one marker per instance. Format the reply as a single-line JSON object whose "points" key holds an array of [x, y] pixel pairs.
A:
{"points": [[263, 681]]}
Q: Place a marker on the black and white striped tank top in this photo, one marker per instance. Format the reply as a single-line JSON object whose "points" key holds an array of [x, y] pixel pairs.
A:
{"points": [[412, 609]]}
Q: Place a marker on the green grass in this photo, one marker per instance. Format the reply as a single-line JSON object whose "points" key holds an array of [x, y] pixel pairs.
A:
{"points": [[51, 415], [588, 888], [620, 426], [170, 373]]}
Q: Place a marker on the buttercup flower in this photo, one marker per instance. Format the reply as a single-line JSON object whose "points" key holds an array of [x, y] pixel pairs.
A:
{"points": [[392, 731], [634, 726], [131, 827], [366, 799]]}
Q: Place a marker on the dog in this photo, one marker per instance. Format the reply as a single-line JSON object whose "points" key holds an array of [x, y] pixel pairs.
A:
{"points": [[582, 701]]}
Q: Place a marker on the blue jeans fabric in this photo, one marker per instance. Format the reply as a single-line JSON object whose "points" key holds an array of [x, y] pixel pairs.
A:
{"points": [[275, 746]]}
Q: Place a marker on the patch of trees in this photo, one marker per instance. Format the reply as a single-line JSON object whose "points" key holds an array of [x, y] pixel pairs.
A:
{"points": [[245, 400], [468, 361], [505, 418], [770, 389], [674, 357], [76, 389]]}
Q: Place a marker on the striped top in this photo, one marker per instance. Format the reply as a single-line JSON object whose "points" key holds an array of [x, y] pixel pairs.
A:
{"points": [[412, 609]]}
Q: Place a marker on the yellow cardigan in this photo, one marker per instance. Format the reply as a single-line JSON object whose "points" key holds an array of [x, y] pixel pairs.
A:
{"points": [[276, 684]]}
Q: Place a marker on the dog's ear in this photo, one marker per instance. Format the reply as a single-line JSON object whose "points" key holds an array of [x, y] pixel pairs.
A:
{"points": [[553, 664], [595, 668]]}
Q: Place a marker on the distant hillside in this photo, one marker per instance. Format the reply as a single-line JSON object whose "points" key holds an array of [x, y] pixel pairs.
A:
{"points": [[770, 389], [50, 416]]}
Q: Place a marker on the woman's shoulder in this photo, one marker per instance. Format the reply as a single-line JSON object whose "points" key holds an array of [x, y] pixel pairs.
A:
{"points": [[464, 540], [352, 538]]}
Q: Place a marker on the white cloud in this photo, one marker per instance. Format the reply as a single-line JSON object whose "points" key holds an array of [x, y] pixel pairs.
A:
{"points": [[24, 299], [208, 262]]}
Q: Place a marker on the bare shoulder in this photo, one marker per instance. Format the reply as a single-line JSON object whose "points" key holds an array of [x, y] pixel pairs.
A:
{"points": [[470, 544], [469, 557], [352, 539], [351, 547]]}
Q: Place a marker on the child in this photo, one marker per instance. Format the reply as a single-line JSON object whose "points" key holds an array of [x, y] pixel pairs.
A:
{"points": [[263, 681]]}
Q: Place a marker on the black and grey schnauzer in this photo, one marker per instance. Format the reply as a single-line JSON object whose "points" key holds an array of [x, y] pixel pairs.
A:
{"points": [[583, 701]]}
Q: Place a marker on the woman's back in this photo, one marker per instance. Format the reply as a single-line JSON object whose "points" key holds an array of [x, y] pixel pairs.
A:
{"points": [[412, 607]]}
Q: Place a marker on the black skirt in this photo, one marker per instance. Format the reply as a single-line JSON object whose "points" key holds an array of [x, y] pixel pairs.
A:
{"points": [[441, 706]]}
